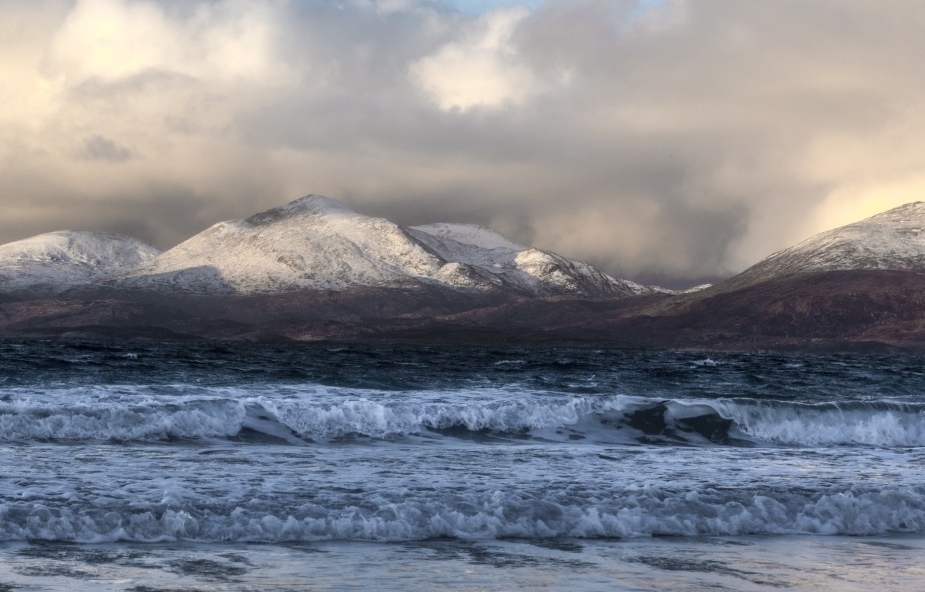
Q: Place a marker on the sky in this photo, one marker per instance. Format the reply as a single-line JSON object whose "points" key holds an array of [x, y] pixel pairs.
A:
{"points": [[666, 141]]}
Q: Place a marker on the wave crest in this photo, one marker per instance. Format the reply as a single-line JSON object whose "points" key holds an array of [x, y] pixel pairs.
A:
{"points": [[612, 419]]}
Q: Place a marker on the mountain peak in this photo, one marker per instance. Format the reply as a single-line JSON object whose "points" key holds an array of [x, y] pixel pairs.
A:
{"points": [[316, 204], [913, 212], [894, 239], [318, 243], [307, 205], [911, 206], [59, 260], [77, 246]]}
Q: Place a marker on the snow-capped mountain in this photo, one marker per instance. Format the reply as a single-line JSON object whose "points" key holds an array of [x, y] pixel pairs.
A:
{"points": [[532, 270], [313, 242], [57, 261], [314, 269], [319, 243], [894, 239]]}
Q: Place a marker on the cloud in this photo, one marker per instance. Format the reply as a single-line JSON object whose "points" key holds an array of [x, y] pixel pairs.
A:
{"points": [[100, 148], [112, 39], [480, 6], [482, 69], [669, 139]]}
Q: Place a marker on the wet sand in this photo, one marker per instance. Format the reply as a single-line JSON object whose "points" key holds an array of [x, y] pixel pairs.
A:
{"points": [[656, 564]]}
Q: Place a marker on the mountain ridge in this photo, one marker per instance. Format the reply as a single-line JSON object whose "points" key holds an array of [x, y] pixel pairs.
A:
{"points": [[858, 286], [317, 243]]}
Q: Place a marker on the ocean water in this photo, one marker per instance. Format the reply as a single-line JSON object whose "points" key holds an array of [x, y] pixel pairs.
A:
{"points": [[144, 467]]}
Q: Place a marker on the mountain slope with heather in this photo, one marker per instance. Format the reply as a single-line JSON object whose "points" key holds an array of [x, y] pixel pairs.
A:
{"points": [[860, 284]]}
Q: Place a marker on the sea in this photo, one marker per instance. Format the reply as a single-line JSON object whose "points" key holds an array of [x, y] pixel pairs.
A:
{"points": [[197, 466]]}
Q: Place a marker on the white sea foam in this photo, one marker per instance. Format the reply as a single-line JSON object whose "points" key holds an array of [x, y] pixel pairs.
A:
{"points": [[828, 425], [707, 362], [322, 414], [641, 512]]}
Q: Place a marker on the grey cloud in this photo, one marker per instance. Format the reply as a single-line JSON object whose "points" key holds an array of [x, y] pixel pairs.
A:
{"points": [[160, 215], [102, 148], [679, 144]]}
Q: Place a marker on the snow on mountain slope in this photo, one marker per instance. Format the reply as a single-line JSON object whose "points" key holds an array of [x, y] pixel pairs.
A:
{"points": [[318, 243], [57, 261], [311, 243], [469, 235], [533, 270], [469, 244], [894, 239]]}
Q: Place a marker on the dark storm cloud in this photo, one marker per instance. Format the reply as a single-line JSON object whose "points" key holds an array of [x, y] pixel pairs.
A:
{"points": [[674, 140], [168, 214], [102, 148]]}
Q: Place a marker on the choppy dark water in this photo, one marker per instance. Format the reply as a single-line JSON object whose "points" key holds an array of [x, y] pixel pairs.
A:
{"points": [[180, 452]]}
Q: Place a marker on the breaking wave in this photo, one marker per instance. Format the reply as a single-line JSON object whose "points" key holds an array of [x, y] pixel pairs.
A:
{"points": [[226, 414]]}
